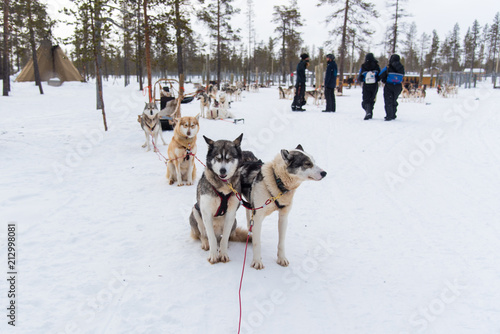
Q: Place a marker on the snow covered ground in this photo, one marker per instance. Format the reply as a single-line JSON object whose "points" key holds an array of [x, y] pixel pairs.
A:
{"points": [[402, 236]]}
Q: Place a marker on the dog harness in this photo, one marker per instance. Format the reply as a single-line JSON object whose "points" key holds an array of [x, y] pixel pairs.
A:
{"points": [[224, 199], [282, 188], [149, 124], [188, 152]]}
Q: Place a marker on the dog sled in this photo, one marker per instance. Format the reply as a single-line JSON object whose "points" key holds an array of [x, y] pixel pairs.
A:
{"points": [[165, 92]]}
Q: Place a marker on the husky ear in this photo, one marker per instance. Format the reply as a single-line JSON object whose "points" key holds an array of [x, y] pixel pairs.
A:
{"points": [[299, 148], [197, 116], [209, 141], [237, 141], [285, 155]]}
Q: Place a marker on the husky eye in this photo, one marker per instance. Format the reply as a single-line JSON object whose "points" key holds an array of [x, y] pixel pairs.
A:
{"points": [[193, 126], [308, 164]]}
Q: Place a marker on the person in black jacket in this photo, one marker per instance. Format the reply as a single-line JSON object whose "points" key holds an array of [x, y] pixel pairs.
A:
{"points": [[330, 83], [369, 75], [300, 86], [392, 76]]}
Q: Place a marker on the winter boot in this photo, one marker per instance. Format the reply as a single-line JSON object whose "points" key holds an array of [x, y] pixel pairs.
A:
{"points": [[369, 112]]}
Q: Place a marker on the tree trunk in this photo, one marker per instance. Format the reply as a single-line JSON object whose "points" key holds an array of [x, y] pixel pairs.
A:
{"points": [[125, 62], [33, 47], [139, 48], [148, 49], [342, 49], [395, 31], [283, 54], [6, 67], [96, 25], [179, 42], [494, 54], [218, 44]]}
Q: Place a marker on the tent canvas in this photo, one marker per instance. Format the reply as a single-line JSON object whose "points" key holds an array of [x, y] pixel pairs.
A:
{"points": [[52, 62]]}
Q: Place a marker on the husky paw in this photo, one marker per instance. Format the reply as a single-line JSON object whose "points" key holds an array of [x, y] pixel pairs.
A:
{"points": [[213, 258], [282, 261], [180, 184], [224, 258], [204, 245], [149, 149], [143, 146], [170, 182], [257, 265]]}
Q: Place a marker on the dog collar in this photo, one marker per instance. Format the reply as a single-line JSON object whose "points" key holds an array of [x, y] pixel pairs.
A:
{"points": [[280, 184]]}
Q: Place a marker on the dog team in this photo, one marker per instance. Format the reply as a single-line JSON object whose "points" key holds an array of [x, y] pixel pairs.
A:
{"points": [[213, 107], [230, 176]]}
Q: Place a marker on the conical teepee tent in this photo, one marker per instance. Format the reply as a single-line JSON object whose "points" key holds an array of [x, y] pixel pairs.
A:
{"points": [[52, 62]]}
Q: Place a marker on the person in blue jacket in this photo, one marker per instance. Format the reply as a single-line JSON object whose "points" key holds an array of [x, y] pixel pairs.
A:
{"points": [[392, 76], [369, 76], [330, 83], [300, 86]]}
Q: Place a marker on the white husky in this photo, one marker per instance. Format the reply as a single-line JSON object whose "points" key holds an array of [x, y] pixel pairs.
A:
{"points": [[278, 180], [150, 123]]}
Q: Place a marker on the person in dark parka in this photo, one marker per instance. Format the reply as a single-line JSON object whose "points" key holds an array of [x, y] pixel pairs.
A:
{"points": [[369, 75], [330, 83], [392, 76], [300, 86]]}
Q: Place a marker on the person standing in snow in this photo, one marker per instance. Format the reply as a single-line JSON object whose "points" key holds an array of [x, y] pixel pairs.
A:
{"points": [[330, 83], [369, 75], [392, 76], [300, 86]]}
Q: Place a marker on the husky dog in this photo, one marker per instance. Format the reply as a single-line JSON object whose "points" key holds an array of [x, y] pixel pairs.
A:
{"points": [[213, 113], [281, 93], [181, 166], [205, 101], [212, 90], [213, 218], [317, 95], [277, 179], [150, 123], [170, 107], [223, 110], [237, 94], [223, 100], [229, 92]]}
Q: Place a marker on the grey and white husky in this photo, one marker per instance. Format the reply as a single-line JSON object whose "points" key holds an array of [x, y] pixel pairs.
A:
{"points": [[150, 123], [213, 218], [278, 180]]}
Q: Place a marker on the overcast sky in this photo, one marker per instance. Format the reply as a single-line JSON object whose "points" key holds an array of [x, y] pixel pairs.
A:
{"points": [[427, 14]]}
